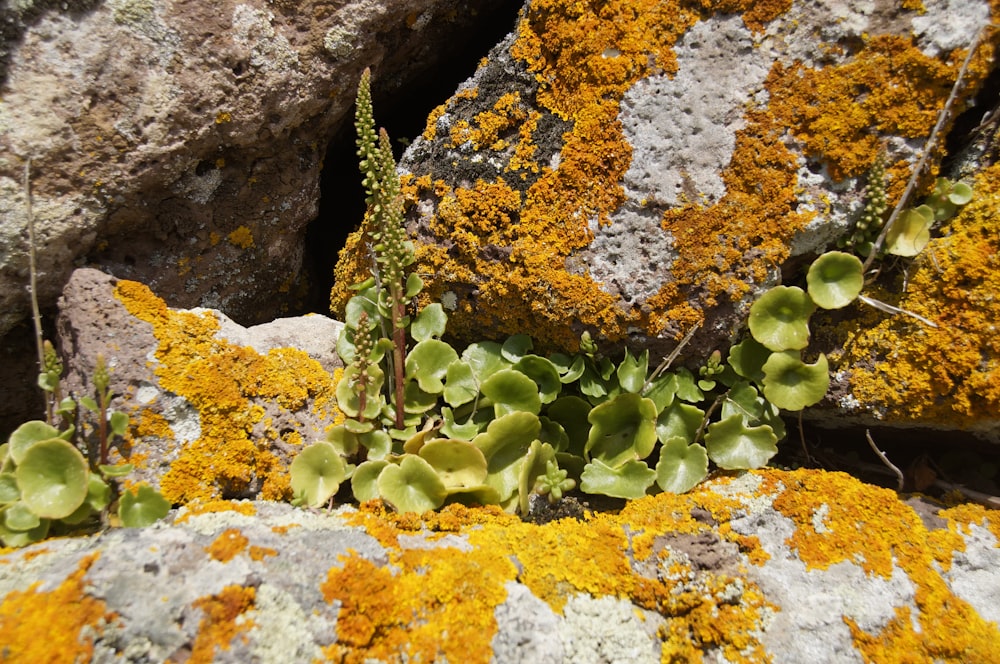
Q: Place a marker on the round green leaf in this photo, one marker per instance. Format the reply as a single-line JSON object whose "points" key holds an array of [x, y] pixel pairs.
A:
{"points": [[460, 385], [791, 384], [622, 428], [511, 391], [681, 466], [544, 373], [53, 478], [960, 194], [458, 463], [632, 371], [429, 323], [19, 516], [662, 391], [629, 480], [412, 486], [747, 358], [504, 444], [679, 420], [119, 423], [734, 446], [16, 538], [453, 429], [428, 362], [779, 319], [485, 358], [143, 508], [571, 413], [347, 396], [538, 455], [117, 470], [364, 482], [911, 232], [835, 279], [8, 488], [27, 435], [316, 473], [516, 347]]}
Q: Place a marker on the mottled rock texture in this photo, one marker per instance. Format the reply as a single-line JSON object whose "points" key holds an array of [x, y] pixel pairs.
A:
{"points": [[180, 143], [637, 169], [216, 409], [768, 566]]}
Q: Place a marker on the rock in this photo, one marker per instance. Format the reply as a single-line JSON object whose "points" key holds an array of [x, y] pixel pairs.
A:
{"points": [[801, 566], [180, 143], [637, 169], [216, 409]]}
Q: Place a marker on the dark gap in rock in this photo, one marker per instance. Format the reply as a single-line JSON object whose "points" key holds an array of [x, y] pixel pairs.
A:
{"points": [[404, 115], [965, 131]]}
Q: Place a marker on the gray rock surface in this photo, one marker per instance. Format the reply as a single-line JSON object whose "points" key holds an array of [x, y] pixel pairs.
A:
{"points": [[252, 582]]}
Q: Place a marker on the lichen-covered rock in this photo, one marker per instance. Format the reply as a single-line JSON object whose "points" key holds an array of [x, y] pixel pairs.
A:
{"points": [[775, 566], [180, 143], [897, 371], [216, 409], [638, 168]]}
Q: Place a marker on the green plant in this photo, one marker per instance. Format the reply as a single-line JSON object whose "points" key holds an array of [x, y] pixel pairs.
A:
{"points": [[46, 483], [495, 423]]}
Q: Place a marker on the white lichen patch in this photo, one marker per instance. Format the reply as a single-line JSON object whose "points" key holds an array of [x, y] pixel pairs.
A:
{"points": [[282, 631], [973, 576], [607, 631], [254, 30], [682, 129]]}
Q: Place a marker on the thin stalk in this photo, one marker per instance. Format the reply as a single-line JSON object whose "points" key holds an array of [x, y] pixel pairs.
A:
{"points": [[928, 146], [36, 314]]}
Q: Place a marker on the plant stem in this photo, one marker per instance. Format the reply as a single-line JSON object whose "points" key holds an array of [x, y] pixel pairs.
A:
{"points": [[36, 314], [928, 146]]}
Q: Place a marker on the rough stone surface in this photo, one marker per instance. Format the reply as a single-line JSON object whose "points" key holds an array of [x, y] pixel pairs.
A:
{"points": [[215, 408], [638, 169], [823, 569], [180, 143]]}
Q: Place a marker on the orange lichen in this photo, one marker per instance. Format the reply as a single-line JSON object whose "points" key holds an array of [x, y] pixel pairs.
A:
{"points": [[220, 626], [196, 507], [229, 544], [889, 87], [258, 553], [949, 374], [226, 384], [58, 625], [385, 614], [242, 237], [872, 528]]}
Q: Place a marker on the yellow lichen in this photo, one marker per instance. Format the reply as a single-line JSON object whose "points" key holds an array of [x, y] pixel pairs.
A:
{"points": [[229, 544], [220, 626], [242, 237], [58, 625], [219, 380], [378, 606], [949, 374], [872, 528]]}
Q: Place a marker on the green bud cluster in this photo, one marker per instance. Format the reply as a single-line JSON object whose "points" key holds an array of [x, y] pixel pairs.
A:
{"points": [[869, 224]]}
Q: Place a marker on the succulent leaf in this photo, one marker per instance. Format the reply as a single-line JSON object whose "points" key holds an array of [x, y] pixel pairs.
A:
{"points": [[747, 358], [427, 362], [142, 508], [681, 466], [835, 279], [364, 481], [316, 473], [622, 428], [679, 420], [779, 318], [460, 385], [734, 446], [571, 413], [485, 358], [412, 486], [458, 463], [791, 384], [544, 373], [629, 480], [27, 435], [53, 478], [632, 371], [511, 391], [504, 444], [516, 347], [430, 323], [911, 232]]}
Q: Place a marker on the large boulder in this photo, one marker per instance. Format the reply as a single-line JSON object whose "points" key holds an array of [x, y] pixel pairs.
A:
{"points": [[215, 409], [768, 566], [181, 143], [638, 171]]}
